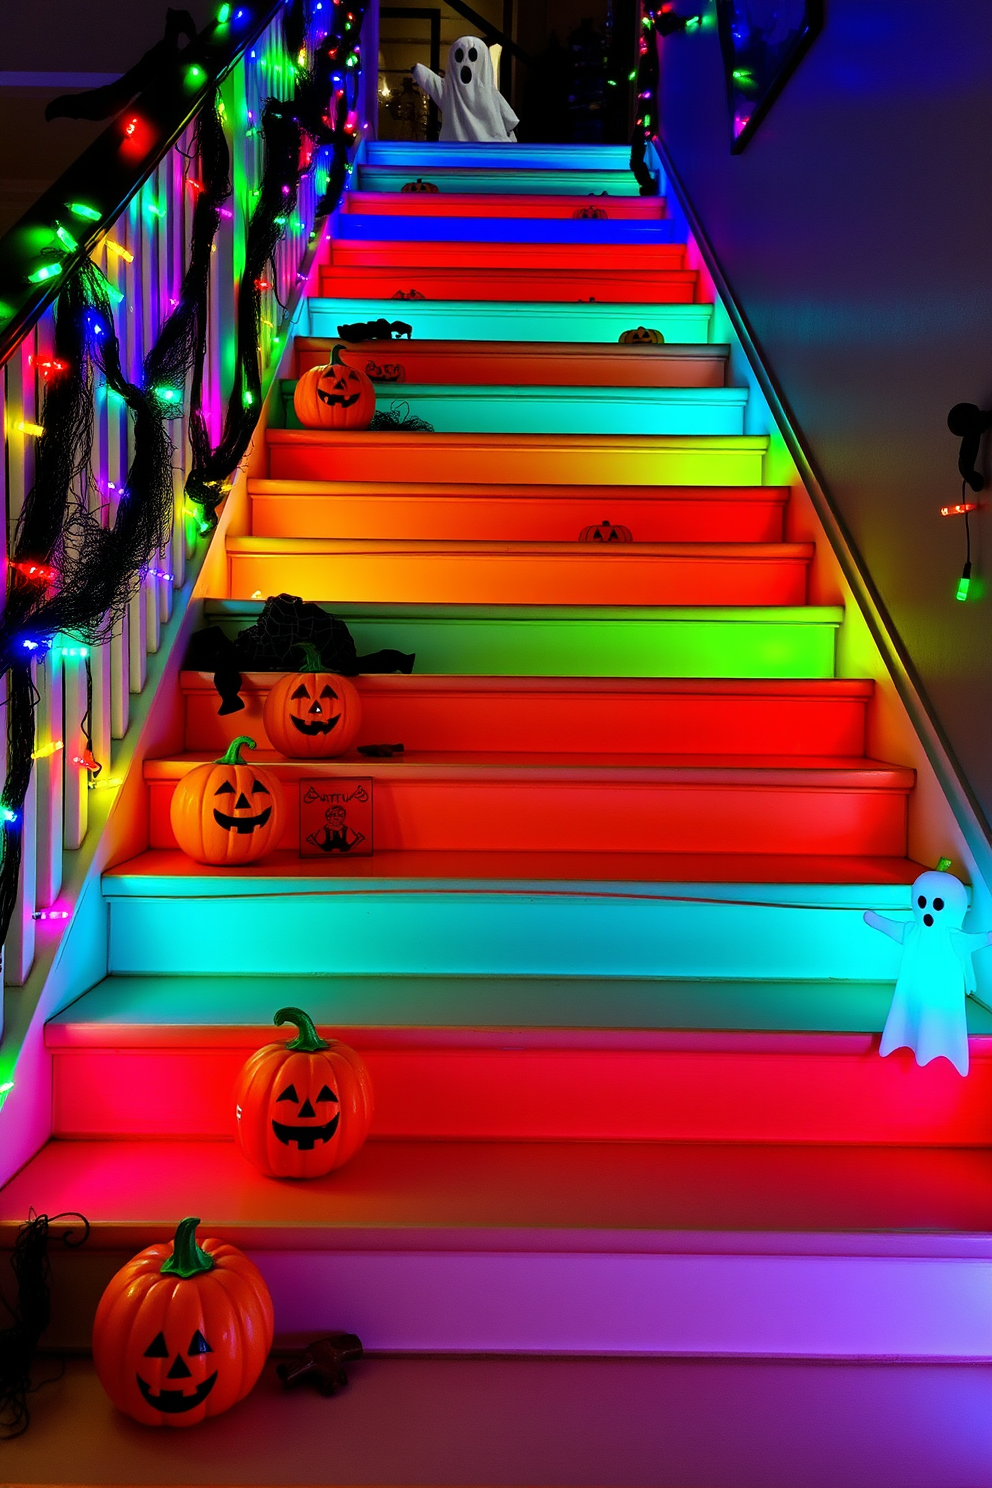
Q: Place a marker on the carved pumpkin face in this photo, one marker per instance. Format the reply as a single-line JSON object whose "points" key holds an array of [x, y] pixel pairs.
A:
{"points": [[182, 1332], [605, 532], [334, 397], [302, 1108], [641, 336], [228, 812], [312, 714], [419, 185]]}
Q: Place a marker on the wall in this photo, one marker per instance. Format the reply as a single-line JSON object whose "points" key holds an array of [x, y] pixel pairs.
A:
{"points": [[855, 232]]}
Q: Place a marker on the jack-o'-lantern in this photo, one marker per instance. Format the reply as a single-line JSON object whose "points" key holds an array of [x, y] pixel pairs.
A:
{"points": [[605, 532], [312, 714], [228, 812], [182, 1331], [303, 1107], [641, 336], [420, 185], [335, 396], [589, 213]]}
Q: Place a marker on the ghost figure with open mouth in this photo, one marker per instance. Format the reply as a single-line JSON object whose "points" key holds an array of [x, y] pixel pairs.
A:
{"points": [[928, 1006], [472, 107]]}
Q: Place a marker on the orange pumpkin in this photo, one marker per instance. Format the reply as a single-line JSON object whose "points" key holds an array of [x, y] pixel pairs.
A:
{"points": [[303, 1107], [228, 812], [312, 714], [642, 336], [182, 1331], [334, 397]]}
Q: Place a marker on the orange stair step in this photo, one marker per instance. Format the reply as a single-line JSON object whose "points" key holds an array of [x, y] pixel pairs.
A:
{"points": [[406, 572], [550, 285], [519, 459], [562, 714], [518, 513]]}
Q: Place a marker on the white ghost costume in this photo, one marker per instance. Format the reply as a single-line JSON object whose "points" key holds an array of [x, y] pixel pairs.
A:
{"points": [[928, 1006], [472, 107]]}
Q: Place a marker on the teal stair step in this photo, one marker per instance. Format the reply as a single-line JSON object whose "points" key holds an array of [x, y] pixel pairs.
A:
{"points": [[505, 640], [461, 409], [460, 1003], [508, 914], [499, 320], [423, 158]]}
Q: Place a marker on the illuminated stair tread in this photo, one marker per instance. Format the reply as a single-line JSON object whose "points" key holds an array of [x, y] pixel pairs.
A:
{"points": [[496, 253], [600, 459], [565, 285], [536, 1196], [482, 1421], [520, 363], [826, 879], [457, 408], [620, 715], [366, 509], [688, 641], [125, 1010], [494, 320], [525, 207], [482, 180], [521, 573], [550, 227], [496, 159]]}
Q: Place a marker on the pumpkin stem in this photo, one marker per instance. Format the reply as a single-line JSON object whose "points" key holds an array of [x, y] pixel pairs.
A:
{"points": [[312, 661], [232, 754], [308, 1040], [187, 1259], [336, 356]]}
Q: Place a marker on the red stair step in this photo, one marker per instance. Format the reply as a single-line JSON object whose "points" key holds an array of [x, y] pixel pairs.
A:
{"points": [[120, 1080], [616, 715], [533, 803], [477, 204], [518, 513], [495, 363]]}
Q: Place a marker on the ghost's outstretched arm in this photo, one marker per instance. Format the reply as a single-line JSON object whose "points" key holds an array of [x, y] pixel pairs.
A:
{"points": [[510, 120], [894, 929], [428, 82]]}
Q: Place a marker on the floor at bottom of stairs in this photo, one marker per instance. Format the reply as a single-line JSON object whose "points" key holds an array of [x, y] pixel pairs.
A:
{"points": [[509, 1421]]}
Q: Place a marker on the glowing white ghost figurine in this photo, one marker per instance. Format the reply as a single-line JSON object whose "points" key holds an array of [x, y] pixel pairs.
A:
{"points": [[928, 1006], [472, 107]]}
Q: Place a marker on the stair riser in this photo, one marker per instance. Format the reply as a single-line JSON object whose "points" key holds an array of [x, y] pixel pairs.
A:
{"points": [[582, 648], [500, 161], [393, 458], [569, 286], [394, 204], [407, 362], [520, 182], [481, 931], [699, 515], [597, 233], [507, 410], [752, 1306], [618, 575], [542, 1095], [446, 815], [611, 722], [402, 256], [492, 321]]}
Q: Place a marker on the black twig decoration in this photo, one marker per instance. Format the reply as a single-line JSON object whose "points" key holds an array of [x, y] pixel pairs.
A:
{"points": [[29, 1313]]}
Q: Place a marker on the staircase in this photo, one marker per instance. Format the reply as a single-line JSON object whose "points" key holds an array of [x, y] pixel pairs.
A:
{"points": [[607, 966]]}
